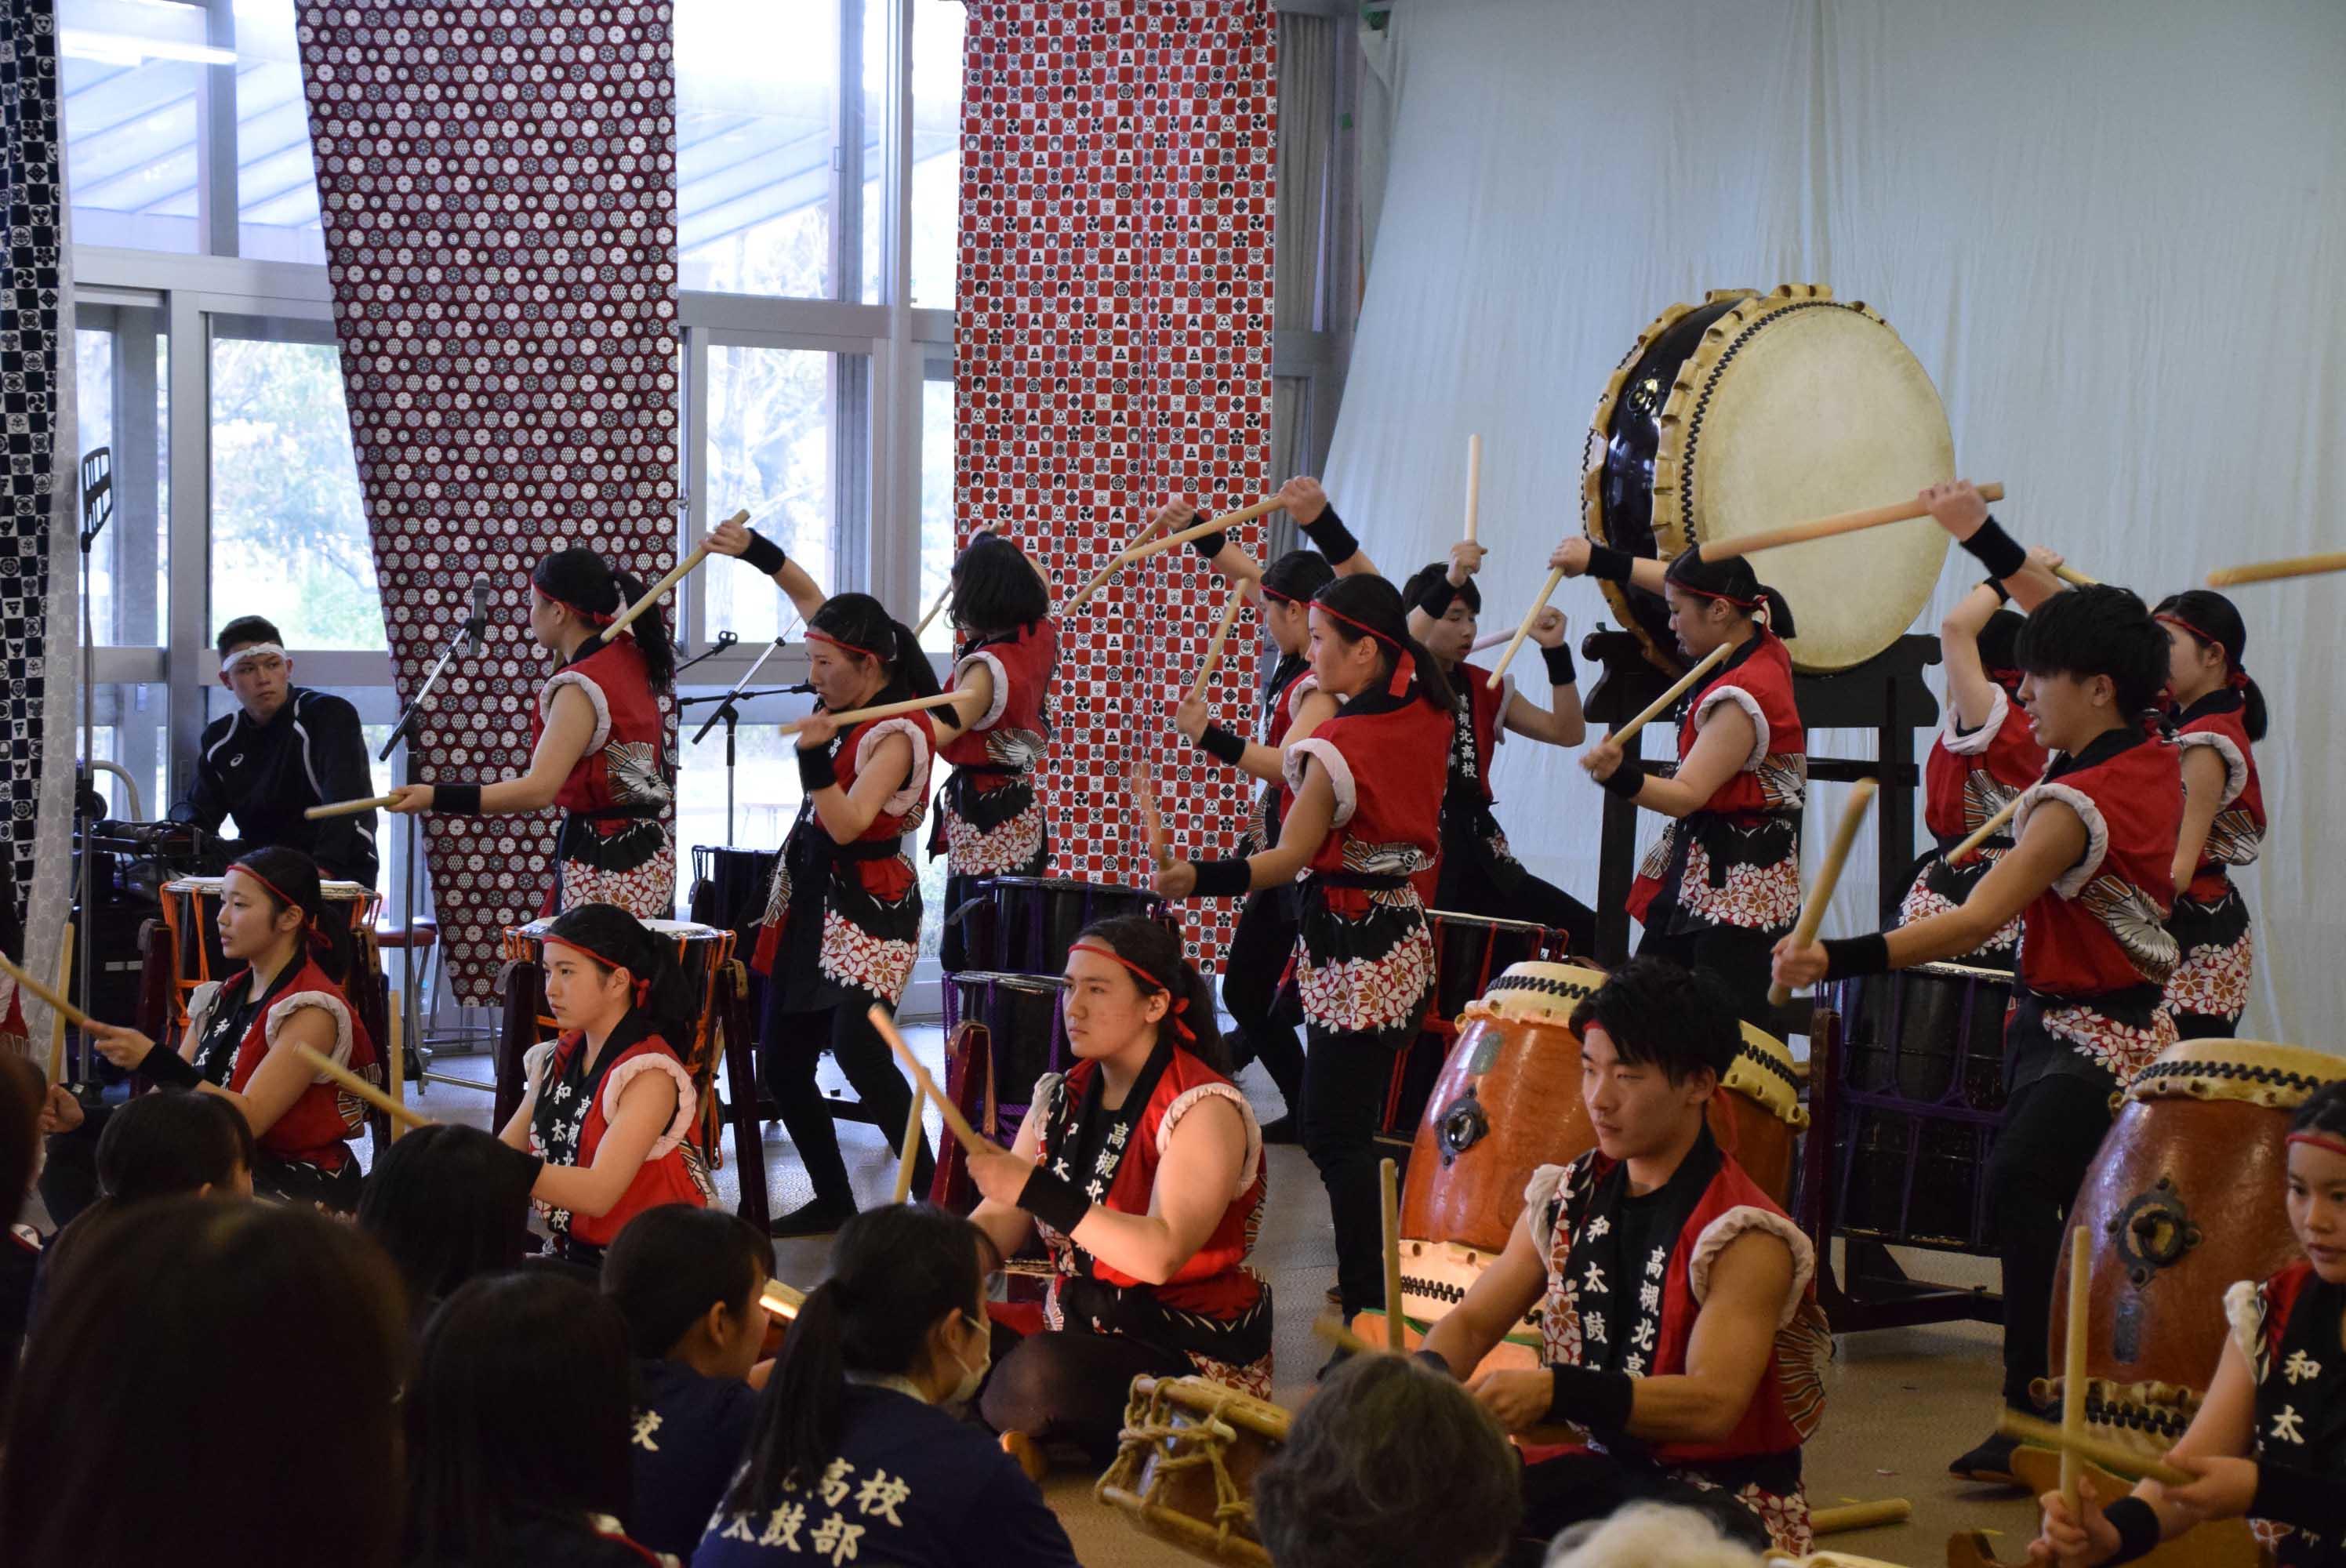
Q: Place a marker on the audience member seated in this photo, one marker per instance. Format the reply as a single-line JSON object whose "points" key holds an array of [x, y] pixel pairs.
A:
{"points": [[861, 1452], [448, 1204], [1650, 1535], [21, 1115]]}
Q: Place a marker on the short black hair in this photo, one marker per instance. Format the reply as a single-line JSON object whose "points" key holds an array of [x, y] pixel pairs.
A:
{"points": [[672, 1263], [996, 588], [1999, 641], [449, 1204], [2324, 1111], [2104, 630], [249, 630], [1298, 575], [166, 1144], [1661, 1014], [1426, 576]]}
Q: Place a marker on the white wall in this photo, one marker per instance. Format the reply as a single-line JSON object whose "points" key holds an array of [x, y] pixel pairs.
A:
{"points": [[2116, 235]]}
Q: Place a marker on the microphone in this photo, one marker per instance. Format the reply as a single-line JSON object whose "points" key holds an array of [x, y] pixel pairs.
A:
{"points": [[803, 688], [725, 640], [476, 626]]}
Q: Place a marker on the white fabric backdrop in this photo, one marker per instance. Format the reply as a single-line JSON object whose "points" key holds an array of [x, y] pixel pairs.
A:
{"points": [[2114, 238]]}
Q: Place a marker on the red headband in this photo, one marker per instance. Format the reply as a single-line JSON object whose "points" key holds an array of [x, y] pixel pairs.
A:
{"points": [[277, 892], [2329, 1141], [1270, 592], [851, 648], [1713, 593], [1404, 666], [592, 617], [2239, 676], [643, 987], [1180, 1004]]}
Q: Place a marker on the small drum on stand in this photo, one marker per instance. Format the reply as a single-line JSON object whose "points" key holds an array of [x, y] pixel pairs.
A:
{"points": [[2183, 1201], [1469, 952], [1186, 1472], [1016, 1019], [1920, 1081], [191, 909], [729, 889], [1025, 925]]}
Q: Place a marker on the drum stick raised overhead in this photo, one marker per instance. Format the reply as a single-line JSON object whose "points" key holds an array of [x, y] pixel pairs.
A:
{"points": [[958, 1124], [57, 1020], [943, 594], [1820, 891], [365, 1090], [2114, 1456], [1669, 699], [1141, 549], [1826, 527], [885, 711], [1983, 832], [1547, 590], [1230, 608], [1474, 484], [2274, 571], [66, 1009], [1100, 577], [348, 808], [675, 574], [1144, 795]]}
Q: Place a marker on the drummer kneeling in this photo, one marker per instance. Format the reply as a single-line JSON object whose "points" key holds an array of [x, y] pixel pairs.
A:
{"points": [[1680, 1336]]}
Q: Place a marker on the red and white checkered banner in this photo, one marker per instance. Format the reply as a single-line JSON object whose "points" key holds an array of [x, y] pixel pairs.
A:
{"points": [[498, 185], [1112, 349]]}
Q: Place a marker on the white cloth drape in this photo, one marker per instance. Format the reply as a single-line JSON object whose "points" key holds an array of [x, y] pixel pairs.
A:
{"points": [[2113, 236]]}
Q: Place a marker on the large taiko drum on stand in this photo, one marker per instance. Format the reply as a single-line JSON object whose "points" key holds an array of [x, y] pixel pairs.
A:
{"points": [[1186, 1470], [2184, 1199], [1750, 412], [1508, 1101]]}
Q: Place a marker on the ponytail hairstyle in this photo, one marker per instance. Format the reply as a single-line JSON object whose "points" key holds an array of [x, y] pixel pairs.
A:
{"points": [[290, 880], [1150, 951], [1296, 576], [2209, 619], [611, 938], [1366, 605], [1999, 649], [995, 589], [860, 626], [671, 1264], [1734, 582], [895, 1272], [1426, 576], [2102, 630], [593, 590]]}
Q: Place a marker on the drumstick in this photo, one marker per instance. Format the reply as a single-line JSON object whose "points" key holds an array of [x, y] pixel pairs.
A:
{"points": [[1820, 891], [885, 711], [1493, 639], [963, 1133], [1343, 1338], [57, 1019], [2114, 1456], [1247, 514], [912, 1148], [1230, 607], [1859, 1516], [2075, 578], [1389, 1180], [2072, 1366], [1669, 699], [1144, 795], [1539, 603], [1474, 484], [66, 1009], [2274, 571], [395, 1073], [1099, 579], [365, 1090], [1826, 527], [782, 1300], [349, 808], [1983, 832], [943, 594], [675, 574]]}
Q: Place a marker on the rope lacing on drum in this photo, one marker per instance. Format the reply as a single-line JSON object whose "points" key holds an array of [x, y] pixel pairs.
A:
{"points": [[1146, 1434], [2167, 1424], [2249, 1072], [1544, 987], [1750, 1052]]}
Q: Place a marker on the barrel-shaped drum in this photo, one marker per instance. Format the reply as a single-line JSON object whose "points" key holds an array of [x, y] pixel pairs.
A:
{"points": [[1186, 1470], [1025, 925], [1024, 1034]]}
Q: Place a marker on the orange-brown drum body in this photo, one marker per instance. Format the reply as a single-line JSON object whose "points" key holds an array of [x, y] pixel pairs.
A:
{"points": [[2184, 1198]]}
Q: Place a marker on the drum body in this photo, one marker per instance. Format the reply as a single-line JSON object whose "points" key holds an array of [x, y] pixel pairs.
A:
{"points": [[1469, 952], [1186, 1472], [1025, 1035], [1921, 1088], [730, 887], [2184, 1199], [1025, 925], [1746, 412]]}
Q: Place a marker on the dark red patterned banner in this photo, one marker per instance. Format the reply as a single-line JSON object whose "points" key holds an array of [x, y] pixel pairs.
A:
{"points": [[498, 185], [1113, 349]]}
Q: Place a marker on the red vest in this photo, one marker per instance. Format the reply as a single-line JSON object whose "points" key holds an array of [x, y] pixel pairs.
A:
{"points": [[1487, 711], [886, 877], [666, 1175], [1968, 778], [1012, 732], [2101, 926], [1388, 768], [2238, 833], [316, 1129], [1759, 680], [622, 766]]}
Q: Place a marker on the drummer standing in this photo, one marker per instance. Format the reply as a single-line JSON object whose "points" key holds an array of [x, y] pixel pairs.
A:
{"points": [[2091, 868]]}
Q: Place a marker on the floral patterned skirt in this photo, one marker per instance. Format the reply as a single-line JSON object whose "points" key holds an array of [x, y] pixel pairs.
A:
{"points": [[1938, 887], [1365, 962], [2209, 988], [1708, 871]]}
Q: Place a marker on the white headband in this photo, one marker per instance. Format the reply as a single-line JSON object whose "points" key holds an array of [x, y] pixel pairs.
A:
{"points": [[251, 650]]}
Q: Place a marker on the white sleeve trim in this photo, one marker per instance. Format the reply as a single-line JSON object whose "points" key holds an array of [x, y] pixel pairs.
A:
{"points": [[1340, 773], [594, 695], [2244, 1318], [1000, 701], [1249, 1168], [687, 1097], [2071, 882], [1301, 686], [915, 789], [1539, 1193], [200, 1005], [1506, 701], [2236, 767], [1742, 1220], [333, 1006], [1976, 742], [1749, 704]]}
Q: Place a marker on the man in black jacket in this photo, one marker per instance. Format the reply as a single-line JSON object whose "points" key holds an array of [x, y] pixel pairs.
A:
{"points": [[284, 749]]}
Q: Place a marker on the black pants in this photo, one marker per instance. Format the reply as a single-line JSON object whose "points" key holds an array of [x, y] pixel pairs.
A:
{"points": [[1068, 1386], [2205, 1026], [2052, 1130], [1260, 949], [1345, 1078], [1738, 956], [1576, 1488], [790, 1046], [1467, 890]]}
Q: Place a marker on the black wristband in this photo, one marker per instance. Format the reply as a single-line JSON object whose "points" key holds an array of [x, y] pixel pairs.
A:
{"points": [[1221, 745], [2136, 1524], [1999, 551], [2003, 595], [1210, 545], [1054, 1199], [1230, 878], [1560, 668], [1608, 565], [168, 1069], [1599, 1401], [816, 768], [456, 800], [1434, 597], [764, 554], [1335, 541], [1848, 955], [1624, 780], [1435, 1359]]}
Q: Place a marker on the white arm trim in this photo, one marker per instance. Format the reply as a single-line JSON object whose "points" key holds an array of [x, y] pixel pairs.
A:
{"points": [[1539, 1193], [334, 1007], [594, 695], [688, 1099], [2071, 882], [1739, 1221], [200, 1005], [1248, 1167], [1976, 742], [1749, 704], [1499, 725], [1340, 773], [2244, 1319], [915, 789], [2236, 767], [1301, 686], [1001, 699]]}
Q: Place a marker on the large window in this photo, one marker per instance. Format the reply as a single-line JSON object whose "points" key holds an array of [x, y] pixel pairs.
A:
{"points": [[276, 183], [757, 133], [772, 448], [130, 71], [122, 369]]}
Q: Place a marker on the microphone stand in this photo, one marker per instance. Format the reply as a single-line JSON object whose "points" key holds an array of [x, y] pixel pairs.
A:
{"points": [[728, 710], [96, 512], [724, 640]]}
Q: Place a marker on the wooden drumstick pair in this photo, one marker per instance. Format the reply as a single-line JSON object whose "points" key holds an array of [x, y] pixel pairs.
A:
{"points": [[1143, 547]]}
